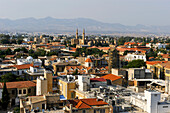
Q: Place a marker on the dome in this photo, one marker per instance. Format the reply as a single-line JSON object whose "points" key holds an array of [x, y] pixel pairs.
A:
{"points": [[29, 58]]}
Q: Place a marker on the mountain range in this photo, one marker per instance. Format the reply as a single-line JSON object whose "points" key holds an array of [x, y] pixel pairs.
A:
{"points": [[54, 25]]}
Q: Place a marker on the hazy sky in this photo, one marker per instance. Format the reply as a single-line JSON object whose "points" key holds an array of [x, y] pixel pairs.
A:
{"points": [[127, 12]]}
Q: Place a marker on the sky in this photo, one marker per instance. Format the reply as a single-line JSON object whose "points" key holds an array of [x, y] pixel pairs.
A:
{"points": [[127, 12]]}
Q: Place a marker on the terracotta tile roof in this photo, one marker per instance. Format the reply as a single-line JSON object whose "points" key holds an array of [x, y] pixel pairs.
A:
{"points": [[138, 48], [101, 48], [111, 77], [24, 66], [6, 61], [19, 84], [88, 60], [127, 43], [97, 80], [151, 57], [155, 62], [75, 67], [87, 103], [52, 59], [104, 48], [105, 55], [3, 48], [166, 65], [165, 55], [82, 105], [9, 56], [30, 42]]}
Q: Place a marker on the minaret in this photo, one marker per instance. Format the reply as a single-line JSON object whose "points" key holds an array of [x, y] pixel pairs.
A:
{"points": [[83, 37], [77, 34]]}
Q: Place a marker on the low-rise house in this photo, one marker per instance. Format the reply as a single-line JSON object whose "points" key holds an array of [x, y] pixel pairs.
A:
{"points": [[21, 68], [60, 66], [91, 105], [113, 79], [34, 71], [97, 82], [42, 103], [157, 45], [9, 56], [29, 60], [18, 90], [151, 102], [139, 73], [66, 86], [135, 56]]}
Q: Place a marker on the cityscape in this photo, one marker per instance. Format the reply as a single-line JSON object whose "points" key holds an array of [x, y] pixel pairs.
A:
{"points": [[84, 59]]}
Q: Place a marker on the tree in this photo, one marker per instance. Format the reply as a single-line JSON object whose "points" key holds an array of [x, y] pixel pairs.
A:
{"points": [[151, 53], [16, 110], [8, 51], [136, 64], [5, 97], [5, 41], [75, 72], [125, 53], [20, 41], [9, 77]]}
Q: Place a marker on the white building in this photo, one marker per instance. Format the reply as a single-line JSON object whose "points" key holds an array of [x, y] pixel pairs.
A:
{"points": [[151, 102], [84, 82], [41, 87], [157, 45], [135, 56], [88, 63], [29, 60], [27, 39]]}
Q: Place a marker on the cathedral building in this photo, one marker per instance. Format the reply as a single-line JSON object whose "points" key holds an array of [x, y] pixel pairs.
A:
{"points": [[77, 40]]}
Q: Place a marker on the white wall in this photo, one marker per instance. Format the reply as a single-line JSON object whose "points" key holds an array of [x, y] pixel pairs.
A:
{"points": [[0, 93]]}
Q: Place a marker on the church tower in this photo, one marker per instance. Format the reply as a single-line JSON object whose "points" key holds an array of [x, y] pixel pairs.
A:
{"points": [[83, 37], [77, 34]]}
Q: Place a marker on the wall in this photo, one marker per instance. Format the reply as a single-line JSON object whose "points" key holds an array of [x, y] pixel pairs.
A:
{"points": [[0, 93], [163, 108], [66, 88], [117, 82]]}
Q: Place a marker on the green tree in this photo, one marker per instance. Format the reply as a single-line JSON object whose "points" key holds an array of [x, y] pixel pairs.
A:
{"points": [[5, 41], [125, 53], [5, 97], [16, 110], [75, 72], [8, 51], [20, 41], [136, 64], [9, 77], [151, 53]]}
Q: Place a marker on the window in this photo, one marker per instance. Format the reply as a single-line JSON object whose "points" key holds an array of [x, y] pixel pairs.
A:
{"points": [[29, 90], [165, 106], [94, 111], [84, 111], [20, 91], [43, 106], [24, 91], [168, 71], [13, 92], [102, 110], [72, 94]]}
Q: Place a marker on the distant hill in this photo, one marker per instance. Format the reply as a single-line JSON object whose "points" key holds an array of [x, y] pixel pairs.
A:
{"points": [[49, 24]]}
